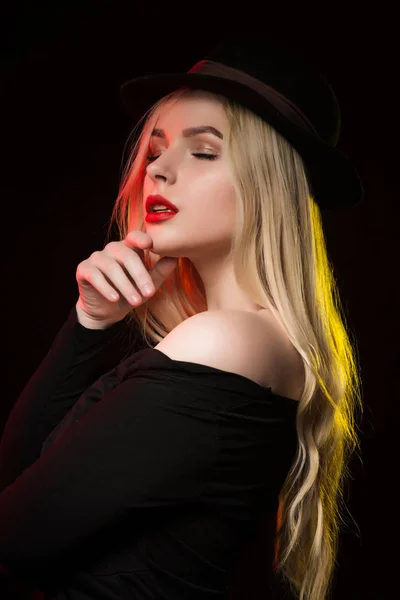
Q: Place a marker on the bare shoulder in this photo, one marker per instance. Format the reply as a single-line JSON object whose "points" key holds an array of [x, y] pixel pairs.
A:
{"points": [[234, 341]]}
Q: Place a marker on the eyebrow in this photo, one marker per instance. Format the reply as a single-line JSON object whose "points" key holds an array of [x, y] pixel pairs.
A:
{"points": [[190, 132]]}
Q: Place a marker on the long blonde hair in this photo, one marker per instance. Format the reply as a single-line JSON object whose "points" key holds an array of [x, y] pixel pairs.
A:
{"points": [[280, 260]]}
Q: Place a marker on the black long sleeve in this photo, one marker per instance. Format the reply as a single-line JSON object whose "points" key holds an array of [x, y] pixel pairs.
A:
{"points": [[128, 453], [145, 478], [77, 357]]}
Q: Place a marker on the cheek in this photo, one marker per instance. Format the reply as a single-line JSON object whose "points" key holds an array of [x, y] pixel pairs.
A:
{"points": [[214, 190]]}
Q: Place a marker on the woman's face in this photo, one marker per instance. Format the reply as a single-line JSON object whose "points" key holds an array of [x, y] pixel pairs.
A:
{"points": [[199, 186]]}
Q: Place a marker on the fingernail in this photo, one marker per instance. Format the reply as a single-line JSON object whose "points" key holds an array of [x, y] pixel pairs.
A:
{"points": [[148, 289]]}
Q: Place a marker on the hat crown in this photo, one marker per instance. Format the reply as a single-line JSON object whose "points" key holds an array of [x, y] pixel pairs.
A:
{"points": [[282, 86], [287, 70]]}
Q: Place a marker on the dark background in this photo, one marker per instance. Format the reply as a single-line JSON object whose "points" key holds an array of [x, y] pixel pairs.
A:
{"points": [[63, 136]]}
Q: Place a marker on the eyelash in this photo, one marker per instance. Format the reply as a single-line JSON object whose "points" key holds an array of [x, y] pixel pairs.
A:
{"points": [[198, 155]]}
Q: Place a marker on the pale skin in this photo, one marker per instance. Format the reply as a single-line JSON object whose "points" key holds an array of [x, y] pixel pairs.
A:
{"points": [[202, 191]]}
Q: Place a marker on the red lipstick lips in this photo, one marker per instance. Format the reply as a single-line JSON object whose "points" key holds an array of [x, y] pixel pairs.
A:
{"points": [[153, 200], [160, 215]]}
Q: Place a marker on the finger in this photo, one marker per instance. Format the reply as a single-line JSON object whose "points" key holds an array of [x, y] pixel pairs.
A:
{"points": [[117, 275], [96, 279], [132, 263], [138, 238], [163, 269]]}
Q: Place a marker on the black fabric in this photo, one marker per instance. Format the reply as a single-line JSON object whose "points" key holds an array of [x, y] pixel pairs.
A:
{"points": [[141, 477]]}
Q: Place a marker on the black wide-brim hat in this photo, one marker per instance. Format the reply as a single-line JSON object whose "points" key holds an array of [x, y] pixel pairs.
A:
{"points": [[279, 84]]}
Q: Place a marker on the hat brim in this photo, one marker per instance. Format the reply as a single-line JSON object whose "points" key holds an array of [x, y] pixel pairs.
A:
{"points": [[334, 180]]}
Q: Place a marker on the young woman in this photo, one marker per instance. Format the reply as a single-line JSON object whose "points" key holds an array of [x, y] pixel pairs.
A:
{"points": [[143, 474]]}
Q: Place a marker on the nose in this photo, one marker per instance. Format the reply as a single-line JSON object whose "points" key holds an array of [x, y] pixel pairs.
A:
{"points": [[156, 171], [157, 176], [162, 167]]}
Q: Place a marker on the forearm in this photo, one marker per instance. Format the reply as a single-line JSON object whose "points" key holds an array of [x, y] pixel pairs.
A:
{"points": [[77, 358]]}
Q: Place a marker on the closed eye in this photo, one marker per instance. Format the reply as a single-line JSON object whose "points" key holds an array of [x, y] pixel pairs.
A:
{"points": [[198, 155]]}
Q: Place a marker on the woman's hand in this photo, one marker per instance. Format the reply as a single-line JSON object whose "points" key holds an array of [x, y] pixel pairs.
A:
{"points": [[114, 279]]}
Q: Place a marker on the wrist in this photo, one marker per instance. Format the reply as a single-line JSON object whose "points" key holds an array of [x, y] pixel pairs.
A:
{"points": [[89, 323]]}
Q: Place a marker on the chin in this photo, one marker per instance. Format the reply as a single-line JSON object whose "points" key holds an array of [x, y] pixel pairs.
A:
{"points": [[161, 250], [164, 247]]}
